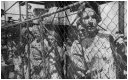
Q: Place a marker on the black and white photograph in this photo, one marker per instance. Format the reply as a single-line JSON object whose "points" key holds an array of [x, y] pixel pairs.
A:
{"points": [[63, 39]]}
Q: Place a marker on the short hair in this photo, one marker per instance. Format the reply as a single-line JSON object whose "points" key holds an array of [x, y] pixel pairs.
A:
{"points": [[90, 4]]}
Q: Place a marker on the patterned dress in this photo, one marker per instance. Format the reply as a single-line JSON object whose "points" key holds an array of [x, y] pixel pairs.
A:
{"points": [[95, 56], [48, 65]]}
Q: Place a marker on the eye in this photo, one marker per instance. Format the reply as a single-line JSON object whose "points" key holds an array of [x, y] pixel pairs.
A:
{"points": [[94, 16], [87, 17]]}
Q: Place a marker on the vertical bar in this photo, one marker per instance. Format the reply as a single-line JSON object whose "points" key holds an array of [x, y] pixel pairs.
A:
{"points": [[20, 21], [4, 10], [67, 18], [121, 16], [21, 41], [29, 76], [54, 15], [59, 18], [26, 3]]}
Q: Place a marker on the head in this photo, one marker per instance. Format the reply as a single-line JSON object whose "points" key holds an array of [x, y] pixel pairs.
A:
{"points": [[50, 34], [51, 37], [89, 19]]}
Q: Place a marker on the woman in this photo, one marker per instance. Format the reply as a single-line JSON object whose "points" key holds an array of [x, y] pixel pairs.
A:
{"points": [[92, 52]]}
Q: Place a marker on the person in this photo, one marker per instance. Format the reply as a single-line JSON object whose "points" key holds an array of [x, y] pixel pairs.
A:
{"points": [[120, 43], [92, 53]]}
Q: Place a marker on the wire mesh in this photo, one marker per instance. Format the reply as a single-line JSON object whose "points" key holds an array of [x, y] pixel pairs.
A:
{"points": [[66, 40]]}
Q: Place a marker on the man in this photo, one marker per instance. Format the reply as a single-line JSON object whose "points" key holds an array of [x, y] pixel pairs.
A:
{"points": [[92, 53]]}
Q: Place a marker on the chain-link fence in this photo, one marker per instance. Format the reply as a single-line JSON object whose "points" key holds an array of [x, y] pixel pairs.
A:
{"points": [[65, 40]]}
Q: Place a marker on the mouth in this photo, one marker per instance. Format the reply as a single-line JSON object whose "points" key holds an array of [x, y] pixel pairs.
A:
{"points": [[82, 35]]}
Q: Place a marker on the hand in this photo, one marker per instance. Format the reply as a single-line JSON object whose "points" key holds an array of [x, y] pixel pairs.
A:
{"points": [[119, 38]]}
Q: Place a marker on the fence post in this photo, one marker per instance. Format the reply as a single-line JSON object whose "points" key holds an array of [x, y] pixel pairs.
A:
{"points": [[29, 74], [20, 20], [121, 16], [20, 42], [4, 12]]}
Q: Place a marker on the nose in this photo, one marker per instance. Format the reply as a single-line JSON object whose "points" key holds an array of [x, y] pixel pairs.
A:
{"points": [[82, 31], [90, 19], [90, 23]]}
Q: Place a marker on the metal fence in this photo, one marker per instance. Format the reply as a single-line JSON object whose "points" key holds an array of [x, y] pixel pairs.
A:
{"points": [[48, 43]]}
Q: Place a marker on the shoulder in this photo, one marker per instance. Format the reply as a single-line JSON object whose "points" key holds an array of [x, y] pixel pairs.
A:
{"points": [[75, 46], [105, 36]]}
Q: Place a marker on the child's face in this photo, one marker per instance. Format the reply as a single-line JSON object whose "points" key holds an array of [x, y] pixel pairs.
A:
{"points": [[51, 37]]}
